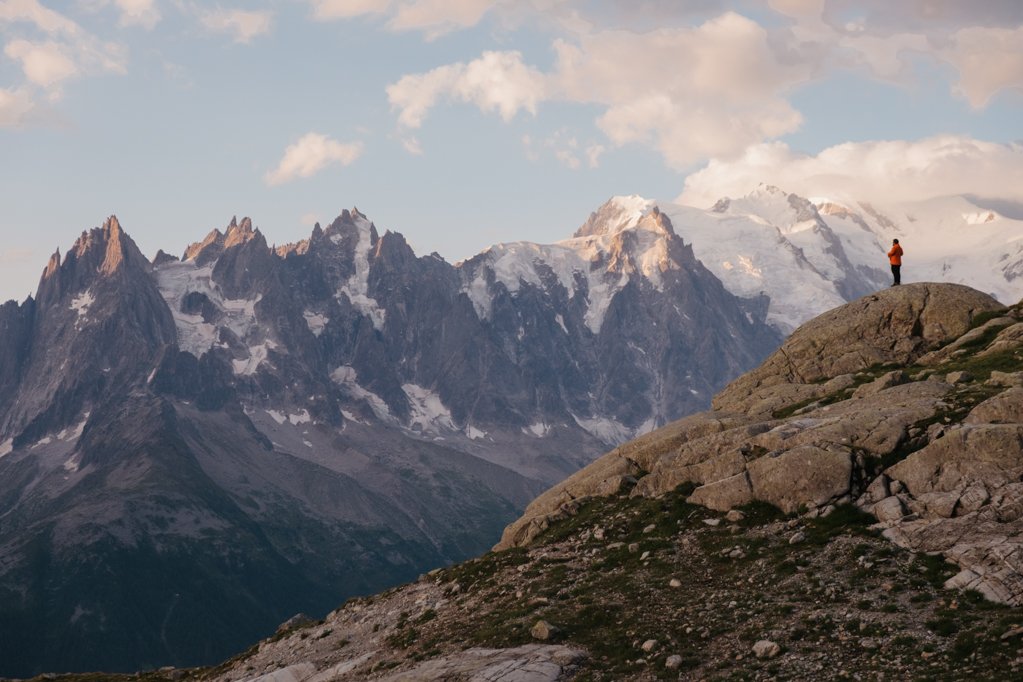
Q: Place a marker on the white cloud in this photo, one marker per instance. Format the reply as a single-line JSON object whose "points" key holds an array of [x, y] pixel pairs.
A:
{"points": [[983, 41], [45, 19], [690, 93], [243, 25], [497, 81], [309, 155], [433, 17], [989, 60], [593, 154], [44, 64], [883, 171], [15, 107], [437, 17], [138, 13], [325, 10], [68, 51]]}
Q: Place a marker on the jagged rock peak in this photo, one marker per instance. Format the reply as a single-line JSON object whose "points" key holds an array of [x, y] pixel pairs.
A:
{"points": [[615, 215], [349, 217], [115, 252], [162, 257], [239, 233], [210, 248], [215, 239], [53, 265], [353, 223], [110, 240]]}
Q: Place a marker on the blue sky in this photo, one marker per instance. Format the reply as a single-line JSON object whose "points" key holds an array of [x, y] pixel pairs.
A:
{"points": [[461, 123]]}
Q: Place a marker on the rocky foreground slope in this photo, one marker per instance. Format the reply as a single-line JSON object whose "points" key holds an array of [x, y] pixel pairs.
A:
{"points": [[850, 510]]}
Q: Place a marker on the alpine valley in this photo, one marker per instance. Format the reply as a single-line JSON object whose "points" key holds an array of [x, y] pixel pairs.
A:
{"points": [[193, 449]]}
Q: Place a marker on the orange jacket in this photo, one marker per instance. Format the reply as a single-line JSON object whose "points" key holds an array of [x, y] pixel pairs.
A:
{"points": [[895, 255]]}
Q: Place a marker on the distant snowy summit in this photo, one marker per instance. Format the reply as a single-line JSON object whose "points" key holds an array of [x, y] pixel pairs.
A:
{"points": [[805, 256]]}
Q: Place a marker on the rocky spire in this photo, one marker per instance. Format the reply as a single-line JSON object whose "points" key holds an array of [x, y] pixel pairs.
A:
{"points": [[115, 248]]}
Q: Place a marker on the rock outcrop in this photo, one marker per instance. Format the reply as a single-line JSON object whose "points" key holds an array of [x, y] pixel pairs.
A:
{"points": [[895, 326], [901, 403]]}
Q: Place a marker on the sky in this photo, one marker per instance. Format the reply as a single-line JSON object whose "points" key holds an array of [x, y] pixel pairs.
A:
{"points": [[463, 123]]}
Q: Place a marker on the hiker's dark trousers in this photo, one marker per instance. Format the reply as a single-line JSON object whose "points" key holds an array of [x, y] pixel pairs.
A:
{"points": [[896, 274]]}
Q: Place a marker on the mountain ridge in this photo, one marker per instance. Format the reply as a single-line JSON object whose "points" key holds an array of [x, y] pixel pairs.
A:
{"points": [[305, 422]]}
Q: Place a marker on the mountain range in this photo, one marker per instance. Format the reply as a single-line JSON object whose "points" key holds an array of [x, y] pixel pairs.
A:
{"points": [[193, 448]]}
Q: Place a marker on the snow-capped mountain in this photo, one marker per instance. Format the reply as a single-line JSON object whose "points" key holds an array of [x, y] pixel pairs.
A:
{"points": [[193, 449], [810, 255]]}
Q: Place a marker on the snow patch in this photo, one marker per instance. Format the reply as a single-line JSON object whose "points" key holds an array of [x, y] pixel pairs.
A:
{"points": [[428, 411], [300, 418], [607, 430], [594, 258], [80, 304], [73, 462], [306, 443], [561, 322], [347, 377], [278, 417], [631, 208], [474, 434], [979, 218], [42, 441], [351, 417], [539, 429], [316, 322], [176, 280], [257, 356], [6, 447], [356, 289]]}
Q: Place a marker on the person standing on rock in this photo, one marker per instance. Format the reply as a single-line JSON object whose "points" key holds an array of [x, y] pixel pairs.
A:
{"points": [[895, 258]]}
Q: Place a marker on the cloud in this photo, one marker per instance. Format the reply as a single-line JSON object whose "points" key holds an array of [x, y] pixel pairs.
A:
{"points": [[690, 93], [67, 52], [497, 81], [326, 10], [983, 41], [433, 17], [15, 107], [988, 60], [45, 19], [309, 155], [243, 25], [922, 16], [882, 171], [437, 17], [44, 64], [138, 13]]}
